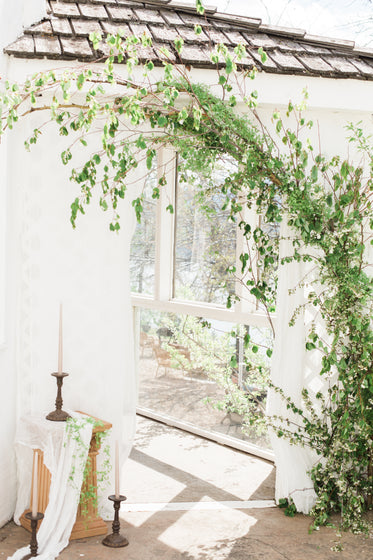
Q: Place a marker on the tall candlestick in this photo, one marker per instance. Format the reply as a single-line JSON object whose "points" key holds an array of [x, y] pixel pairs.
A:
{"points": [[116, 470], [34, 507], [60, 342]]}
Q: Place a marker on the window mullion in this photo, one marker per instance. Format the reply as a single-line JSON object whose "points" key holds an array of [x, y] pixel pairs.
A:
{"points": [[164, 236]]}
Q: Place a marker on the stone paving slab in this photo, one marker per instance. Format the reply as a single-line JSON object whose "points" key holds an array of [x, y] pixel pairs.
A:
{"points": [[220, 535]]}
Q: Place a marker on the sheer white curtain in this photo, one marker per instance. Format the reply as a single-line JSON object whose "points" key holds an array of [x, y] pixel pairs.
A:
{"points": [[293, 368], [87, 271]]}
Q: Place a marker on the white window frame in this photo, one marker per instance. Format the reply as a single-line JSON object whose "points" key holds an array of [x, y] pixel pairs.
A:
{"points": [[244, 312]]}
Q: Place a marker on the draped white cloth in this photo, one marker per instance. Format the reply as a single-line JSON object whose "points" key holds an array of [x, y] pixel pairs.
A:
{"points": [[65, 457]]}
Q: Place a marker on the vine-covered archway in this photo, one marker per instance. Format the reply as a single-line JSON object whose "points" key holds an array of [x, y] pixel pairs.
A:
{"points": [[326, 204]]}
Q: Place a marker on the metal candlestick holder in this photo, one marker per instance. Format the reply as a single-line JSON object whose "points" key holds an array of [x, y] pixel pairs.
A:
{"points": [[34, 541], [58, 415], [116, 540]]}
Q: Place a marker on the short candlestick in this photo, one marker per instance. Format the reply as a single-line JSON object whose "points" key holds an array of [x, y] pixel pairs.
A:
{"points": [[34, 542], [116, 540], [58, 415]]}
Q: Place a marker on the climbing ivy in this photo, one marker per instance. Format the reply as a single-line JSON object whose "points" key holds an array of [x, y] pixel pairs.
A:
{"points": [[88, 499], [325, 202]]}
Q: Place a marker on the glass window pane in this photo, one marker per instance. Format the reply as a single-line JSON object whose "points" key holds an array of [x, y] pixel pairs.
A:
{"points": [[205, 243], [200, 372], [142, 257]]}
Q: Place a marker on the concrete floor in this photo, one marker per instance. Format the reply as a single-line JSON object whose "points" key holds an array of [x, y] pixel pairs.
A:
{"points": [[190, 499]]}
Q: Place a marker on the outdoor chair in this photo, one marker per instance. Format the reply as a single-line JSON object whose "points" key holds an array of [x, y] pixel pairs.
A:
{"points": [[146, 341], [163, 358]]}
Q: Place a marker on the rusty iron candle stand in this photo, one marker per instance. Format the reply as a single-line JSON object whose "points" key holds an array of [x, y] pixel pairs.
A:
{"points": [[34, 541], [58, 415], [116, 540]]}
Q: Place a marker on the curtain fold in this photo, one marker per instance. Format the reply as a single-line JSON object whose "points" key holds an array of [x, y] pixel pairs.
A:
{"points": [[291, 371]]}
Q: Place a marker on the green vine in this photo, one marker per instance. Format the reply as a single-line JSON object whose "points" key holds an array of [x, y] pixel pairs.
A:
{"points": [[326, 203], [89, 493]]}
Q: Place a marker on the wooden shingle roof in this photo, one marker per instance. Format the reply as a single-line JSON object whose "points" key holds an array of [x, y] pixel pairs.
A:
{"points": [[64, 34]]}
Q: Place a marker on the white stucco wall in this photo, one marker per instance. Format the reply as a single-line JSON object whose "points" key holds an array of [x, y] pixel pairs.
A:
{"points": [[46, 262], [14, 16]]}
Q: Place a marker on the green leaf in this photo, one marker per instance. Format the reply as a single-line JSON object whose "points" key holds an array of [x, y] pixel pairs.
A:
{"points": [[263, 54], [162, 121], [228, 65], [314, 173], [199, 7], [179, 43]]}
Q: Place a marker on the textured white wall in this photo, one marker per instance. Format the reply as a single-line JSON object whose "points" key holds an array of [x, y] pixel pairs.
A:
{"points": [[14, 16]]}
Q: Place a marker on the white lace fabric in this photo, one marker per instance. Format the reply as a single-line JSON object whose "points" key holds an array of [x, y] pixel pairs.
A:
{"points": [[65, 457]]}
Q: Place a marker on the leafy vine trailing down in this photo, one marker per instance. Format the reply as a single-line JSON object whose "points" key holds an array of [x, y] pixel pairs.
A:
{"points": [[327, 204], [88, 500]]}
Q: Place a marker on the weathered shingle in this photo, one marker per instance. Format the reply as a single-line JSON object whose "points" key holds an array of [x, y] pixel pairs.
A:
{"points": [[76, 47], [192, 20], [316, 64], [215, 35], [316, 49], [164, 33], [234, 37], [171, 18], [114, 28], [24, 45], [195, 55], [190, 36], [94, 11], [286, 61], [363, 67], [150, 16], [268, 65], [140, 29], [122, 13], [47, 46], [61, 26], [64, 33], [165, 53], [286, 45], [341, 64], [83, 28], [43, 28], [260, 40], [65, 9]]}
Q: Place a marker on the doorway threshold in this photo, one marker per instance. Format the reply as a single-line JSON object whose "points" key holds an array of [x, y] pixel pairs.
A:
{"points": [[228, 441]]}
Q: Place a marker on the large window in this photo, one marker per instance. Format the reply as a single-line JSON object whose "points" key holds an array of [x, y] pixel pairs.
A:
{"points": [[188, 340], [142, 262], [205, 244]]}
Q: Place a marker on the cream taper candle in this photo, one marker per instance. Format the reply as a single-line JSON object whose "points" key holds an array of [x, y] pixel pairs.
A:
{"points": [[60, 344], [116, 470], [34, 506]]}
